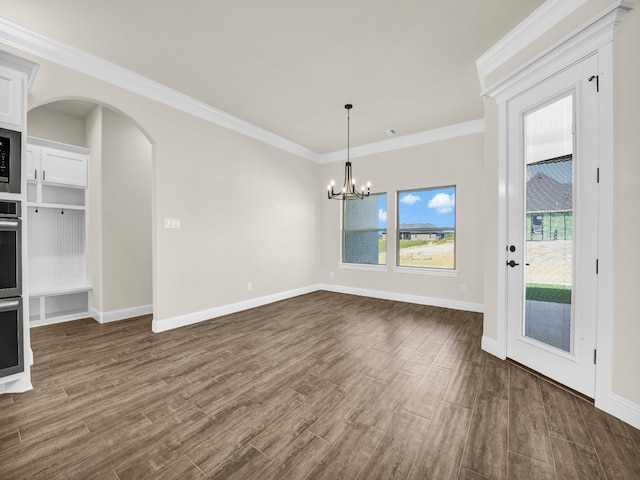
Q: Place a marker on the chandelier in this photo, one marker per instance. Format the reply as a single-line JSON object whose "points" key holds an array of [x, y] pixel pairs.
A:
{"points": [[349, 189]]}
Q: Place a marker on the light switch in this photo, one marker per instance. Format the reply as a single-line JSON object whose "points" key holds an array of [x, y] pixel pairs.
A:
{"points": [[171, 223]]}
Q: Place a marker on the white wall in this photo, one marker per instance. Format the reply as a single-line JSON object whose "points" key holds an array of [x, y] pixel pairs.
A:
{"points": [[626, 331], [457, 161], [126, 214], [59, 127]]}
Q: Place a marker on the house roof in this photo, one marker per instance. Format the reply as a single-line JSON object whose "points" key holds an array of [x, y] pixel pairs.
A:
{"points": [[545, 194]]}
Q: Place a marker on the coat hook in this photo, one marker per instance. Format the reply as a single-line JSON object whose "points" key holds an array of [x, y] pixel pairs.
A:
{"points": [[62, 212]]}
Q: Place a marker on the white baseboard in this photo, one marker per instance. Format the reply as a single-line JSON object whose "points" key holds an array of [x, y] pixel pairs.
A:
{"points": [[115, 315], [190, 318], [625, 410], [54, 320], [165, 324], [404, 297], [492, 346]]}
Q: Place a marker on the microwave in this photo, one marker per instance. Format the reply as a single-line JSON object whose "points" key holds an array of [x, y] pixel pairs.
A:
{"points": [[10, 160]]}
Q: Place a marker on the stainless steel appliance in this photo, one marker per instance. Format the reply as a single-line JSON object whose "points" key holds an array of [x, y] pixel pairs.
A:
{"points": [[11, 354], [11, 350], [10, 160], [10, 249]]}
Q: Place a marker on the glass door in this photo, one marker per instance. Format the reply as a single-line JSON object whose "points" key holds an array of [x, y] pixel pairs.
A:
{"points": [[552, 224]]}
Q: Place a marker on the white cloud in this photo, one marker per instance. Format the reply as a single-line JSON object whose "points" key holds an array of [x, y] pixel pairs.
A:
{"points": [[382, 215], [442, 203], [410, 199]]}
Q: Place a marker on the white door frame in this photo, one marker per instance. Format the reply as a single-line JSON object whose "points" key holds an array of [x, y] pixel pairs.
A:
{"points": [[596, 37]]}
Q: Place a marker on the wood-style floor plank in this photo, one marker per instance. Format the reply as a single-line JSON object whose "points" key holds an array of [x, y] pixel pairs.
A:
{"points": [[528, 432], [486, 449], [399, 448], [441, 453], [321, 386]]}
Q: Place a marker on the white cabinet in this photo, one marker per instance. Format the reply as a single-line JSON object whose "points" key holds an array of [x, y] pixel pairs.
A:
{"points": [[59, 285], [11, 96], [16, 76], [55, 166]]}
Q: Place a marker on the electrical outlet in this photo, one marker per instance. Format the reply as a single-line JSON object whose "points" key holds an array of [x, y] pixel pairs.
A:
{"points": [[249, 286], [463, 288], [330, 274]]}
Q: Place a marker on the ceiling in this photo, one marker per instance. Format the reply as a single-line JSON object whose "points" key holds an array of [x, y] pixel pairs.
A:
{"points": [[289, 66]]}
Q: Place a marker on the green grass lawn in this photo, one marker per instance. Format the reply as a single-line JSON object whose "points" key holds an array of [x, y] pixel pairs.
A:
{"points": [[548, 293]]}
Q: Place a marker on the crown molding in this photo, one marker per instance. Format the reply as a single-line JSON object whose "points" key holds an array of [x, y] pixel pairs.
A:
{"points": [[83, 62], [540, 21], [586, 39], [37, 44], [21, 64], [428, 136]]}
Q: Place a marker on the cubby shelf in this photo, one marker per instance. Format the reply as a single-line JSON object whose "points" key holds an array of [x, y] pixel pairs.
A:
{"points": [[59, 287]]}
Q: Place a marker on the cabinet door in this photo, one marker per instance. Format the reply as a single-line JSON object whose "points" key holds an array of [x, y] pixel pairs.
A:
{"points": [[33, 163], [65, 168], [10, 96]]}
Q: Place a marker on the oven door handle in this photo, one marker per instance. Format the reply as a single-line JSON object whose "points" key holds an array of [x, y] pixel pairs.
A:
{"points": [[9, 223], [9, 304]]}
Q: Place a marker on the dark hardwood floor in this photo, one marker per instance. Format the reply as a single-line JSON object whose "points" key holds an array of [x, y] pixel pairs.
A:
{"points": [[322, 386]]}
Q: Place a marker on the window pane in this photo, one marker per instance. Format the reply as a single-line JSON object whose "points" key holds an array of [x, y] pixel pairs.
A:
{"points": [[364, 230], [367, 247], [369, 212], [426, 231]]}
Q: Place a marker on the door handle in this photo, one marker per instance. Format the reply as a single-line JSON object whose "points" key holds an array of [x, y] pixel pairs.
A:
{"points": [[512, 263]]}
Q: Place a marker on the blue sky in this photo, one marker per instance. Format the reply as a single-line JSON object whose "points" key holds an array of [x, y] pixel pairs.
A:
{"points": [[436, 206], [382, 211]]}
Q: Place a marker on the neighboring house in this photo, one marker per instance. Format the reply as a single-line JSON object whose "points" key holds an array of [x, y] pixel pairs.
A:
{"points": [[549, 207]]}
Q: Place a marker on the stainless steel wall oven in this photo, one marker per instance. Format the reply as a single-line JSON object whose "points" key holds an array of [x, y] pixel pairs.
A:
{"points": [[10, 160], [11, 351]]}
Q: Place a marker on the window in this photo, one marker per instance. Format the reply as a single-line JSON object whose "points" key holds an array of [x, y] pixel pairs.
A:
{"points": [[427, 228], [364, 230]]}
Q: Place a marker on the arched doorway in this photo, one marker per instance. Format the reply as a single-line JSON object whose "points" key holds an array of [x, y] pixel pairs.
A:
{"points": [[119, 201]]}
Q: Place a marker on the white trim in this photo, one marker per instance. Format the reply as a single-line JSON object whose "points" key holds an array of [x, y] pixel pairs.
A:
{"points": [[165, 324], [363, 266], [625, 410], [162, 325], [404, 297], [42, 142], [436, 272], [59, 319], [428, 136], [44, 47], [122, 314], [531, 28], [583, 41], [606, 208], [20, 385], [493, 347]]}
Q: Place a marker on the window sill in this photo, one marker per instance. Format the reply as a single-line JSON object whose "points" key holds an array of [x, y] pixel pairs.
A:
{"points": [[363, 266], [436, 272]]}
